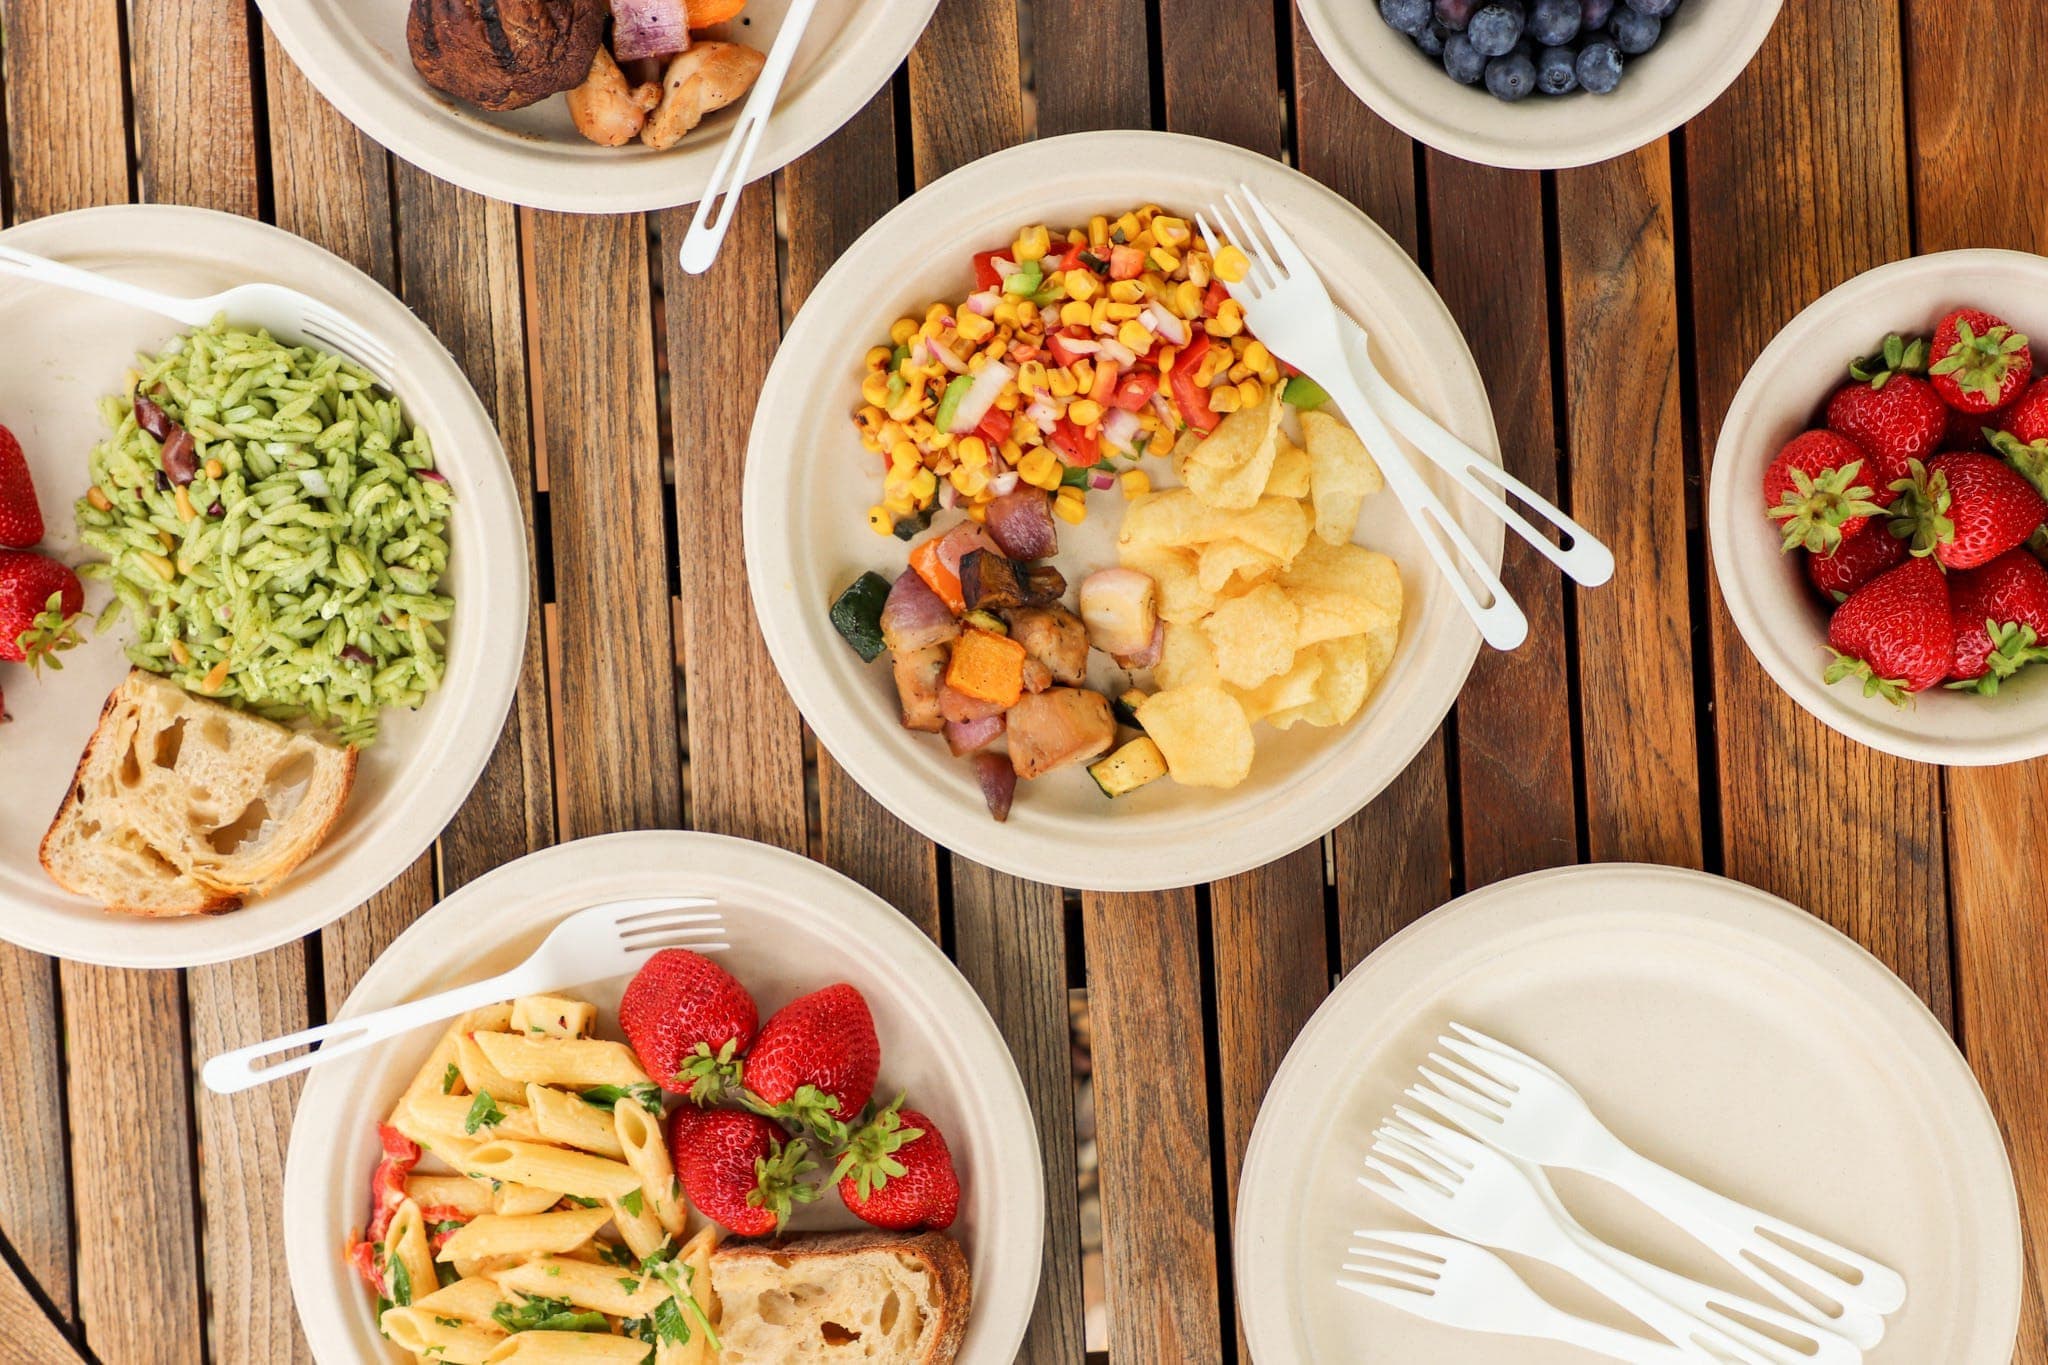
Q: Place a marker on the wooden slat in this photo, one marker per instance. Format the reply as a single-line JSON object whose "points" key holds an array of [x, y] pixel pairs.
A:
{"points": [[595, 428], [1152, 1127], [1516, 800], [830, 197], [32, 1339], [34, 1197], [965, 100], [1093, 65], [1848, 833], [1978, 183], [1620, 290]]}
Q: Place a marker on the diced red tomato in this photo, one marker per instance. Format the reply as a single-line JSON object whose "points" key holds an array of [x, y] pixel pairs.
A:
{"points": [[1104, 387], [1062, 347], [1077, 446], [1135, 392], [995, 427], [1071, 260], [985, 275], [1023, 352], [1212, 302], [1191, 397], [1126, 263]]}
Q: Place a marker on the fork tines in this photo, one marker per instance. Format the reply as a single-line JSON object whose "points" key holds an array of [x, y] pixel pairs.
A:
{"points": [[689, 922]]}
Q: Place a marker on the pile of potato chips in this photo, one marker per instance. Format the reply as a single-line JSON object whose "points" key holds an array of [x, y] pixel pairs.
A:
{"points": [[1272, 613]]}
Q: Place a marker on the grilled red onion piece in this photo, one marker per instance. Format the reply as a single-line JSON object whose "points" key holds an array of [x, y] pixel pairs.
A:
{"points": [[648, 28], [998, 783], [915, 617], [1148, 657], [964, 738], [1020, 522]]}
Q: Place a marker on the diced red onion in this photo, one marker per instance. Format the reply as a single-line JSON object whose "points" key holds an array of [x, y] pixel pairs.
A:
{"points": [[1149, 656], [944, 355], [988, 386], [966, 738], [1080, 345], [1101, 480], [181, 461], [1004, 268], [1167, 325], [998, 783], [1049, 316], [1020, 522], [983, 304], [1114, 350], [914, 617], [649, 28], [1043, 415], [960, 542], [1003, 483], [1120, 430]]}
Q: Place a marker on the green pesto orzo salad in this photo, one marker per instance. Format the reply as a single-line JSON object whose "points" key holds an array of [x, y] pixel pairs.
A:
{"points": [[275, 529]]}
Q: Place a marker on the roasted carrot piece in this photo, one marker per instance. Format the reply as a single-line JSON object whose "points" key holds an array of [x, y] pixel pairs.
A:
{"points": [[987, 667], [940, 579]]}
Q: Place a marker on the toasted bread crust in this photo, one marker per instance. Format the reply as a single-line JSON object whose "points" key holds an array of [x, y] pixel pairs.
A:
{"points": [[940, 1254]]}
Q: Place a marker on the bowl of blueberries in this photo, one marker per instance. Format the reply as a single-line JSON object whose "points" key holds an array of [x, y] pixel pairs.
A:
{"points": [[1538, 84]]}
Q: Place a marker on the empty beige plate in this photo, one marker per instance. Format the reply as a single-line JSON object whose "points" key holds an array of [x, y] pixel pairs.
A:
{"points": [[354, 52], [1717, 1029], [67, 351]]}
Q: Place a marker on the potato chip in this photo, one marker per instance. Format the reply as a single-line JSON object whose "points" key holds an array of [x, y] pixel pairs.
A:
{"points": [[1203, 733], [1290, 474], [1236, 486], [1240, 439], [1173, 517], [1253, 636], [1279, 526], [1341, 590], [1186, 660], [1380, 645], [1345, 678], [1221, 559], [1294, 688], [1342, 475], [1174, 572]]}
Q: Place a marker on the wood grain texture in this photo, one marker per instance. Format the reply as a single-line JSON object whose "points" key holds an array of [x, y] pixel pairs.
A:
{"points": [[32, 1339], [1619, 282], [1778, 156], [35, 1198], [1089, 55], [746, 742], [1159, 1219], [195, 114], [829, 198], [2001, 953], [1350, 148], [65, 71], [1011, 943], [1223, 71], [595, 426], [331, 183], [965, 100]]}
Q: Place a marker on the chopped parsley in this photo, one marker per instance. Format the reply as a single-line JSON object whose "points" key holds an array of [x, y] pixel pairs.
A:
{"points": [[632, 1203], [447, 1322], [547, 1315], [579, 1201], [401, 1282], [629, 1284], [608, 1096], [483, 1114], [449, 1078]]}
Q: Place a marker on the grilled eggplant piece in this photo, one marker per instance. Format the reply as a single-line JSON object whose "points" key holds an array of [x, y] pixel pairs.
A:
{"points": [[991, 583], [505, 54]]}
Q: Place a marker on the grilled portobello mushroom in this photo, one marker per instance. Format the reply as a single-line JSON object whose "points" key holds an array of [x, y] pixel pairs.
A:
{"points": [[505, 54]]}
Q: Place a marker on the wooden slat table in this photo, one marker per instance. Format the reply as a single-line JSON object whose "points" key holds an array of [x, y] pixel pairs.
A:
{"points": [[1613, 310]]}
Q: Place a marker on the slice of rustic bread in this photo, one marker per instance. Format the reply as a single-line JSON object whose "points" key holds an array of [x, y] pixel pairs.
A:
{"points": [[877, 1298], [184, 806]]}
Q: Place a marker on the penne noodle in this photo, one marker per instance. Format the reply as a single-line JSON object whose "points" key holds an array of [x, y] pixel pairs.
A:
{"points": [[639, 1133], [695, 1257], [571, 1121], [408, 1257], [642, 1231], [568, 1348], [481, 1075], [556, 1016], [554, 1168], [473, 1299], [490, 1019], [448, 1117], [435, 1077], [601, 1288], [549, 1234], [567, 1063], [419, 1331], [516, 1200], [467, 1197]]}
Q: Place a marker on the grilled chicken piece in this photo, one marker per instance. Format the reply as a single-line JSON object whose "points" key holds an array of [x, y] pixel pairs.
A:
{"points": [[920, 675], [505, 54], [1054, 637], [700, 81], [1054, 729], [608, 108]]}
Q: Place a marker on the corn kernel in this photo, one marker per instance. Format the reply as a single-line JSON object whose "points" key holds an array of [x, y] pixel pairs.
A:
{"points": [[973, 452], [1198, 269], [1084, 375], [1023, 432], [967, 481], [1232, 265], [1168, 357], [1084, 412], [1257, 356], [1098, 230], [1224, 399], [1076, 314], [1032, 245], [1123, 312], [1133, 336], [1136, 483], [1077, 237], [1012, 452], [1126, 291], [975, 328], [903, 331], [924, 485], [1006, 312], [978, 512], [1007, 400], [1229, 320], [879, 521], [1128, 225], [1187, 300], [1240, 372], [1148, 420], [1070, 506], [1165, 259], [897, 505], [878, 357], [1062, 382], [1209, 366], [1101, 311], [910, 404], [1040, 469], [1251, 392], [875, 388], [1081, 285]]}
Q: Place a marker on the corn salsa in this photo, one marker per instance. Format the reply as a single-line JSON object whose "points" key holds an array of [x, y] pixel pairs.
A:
{"points": [[1077, 354]]}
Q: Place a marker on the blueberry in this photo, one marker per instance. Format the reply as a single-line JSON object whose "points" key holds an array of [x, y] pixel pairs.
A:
{"points": [[1496, 29], [1554, 23], [1431, 40], [1599, 66], [1596, 14], [1465, 63], [1653, 9], [1635, 33], [1557, 71], [1511, 77], [1407, 16], [1456, 14]]}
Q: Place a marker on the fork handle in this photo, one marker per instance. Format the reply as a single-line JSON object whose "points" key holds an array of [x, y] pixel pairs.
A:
{"points": [[1501, 622], [1688, 1334], [1582, 556], [246, 1068], [29, 266]]}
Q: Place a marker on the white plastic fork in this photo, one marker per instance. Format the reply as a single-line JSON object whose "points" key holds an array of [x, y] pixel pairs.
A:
{"points": [[1460, 1285], [287, 314], [1521, 1106], [590, 945], [1489, 1202], [1287, 305]]}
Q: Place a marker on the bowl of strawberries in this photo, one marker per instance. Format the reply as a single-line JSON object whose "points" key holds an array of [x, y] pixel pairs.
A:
{"points": [[1878, 509]]}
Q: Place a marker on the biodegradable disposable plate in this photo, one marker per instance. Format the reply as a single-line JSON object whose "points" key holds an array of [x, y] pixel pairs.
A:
{"points": [[354, 52], [795, 926], [68, 351], [1779, 616], [809, 484], [1706, 46], [1715, 1028]]}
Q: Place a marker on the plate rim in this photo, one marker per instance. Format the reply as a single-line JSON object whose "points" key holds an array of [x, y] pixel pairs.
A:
{"points": [[840, 95], [1268, 1320], [998, 845], [660, 855], [498, 674]]}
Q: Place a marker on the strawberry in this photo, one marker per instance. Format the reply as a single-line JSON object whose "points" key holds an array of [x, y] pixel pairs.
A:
{"points": [[1966, 430], [2026, 421], [2001, 616], [21, 521], [897, 1172], [815, 1062], [1857, 560], [738, 1170], [1979, 364], [1896, 634], [1816, 487], [39, 604], [1966, 509], [686, 1018], [1889, 410]]}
